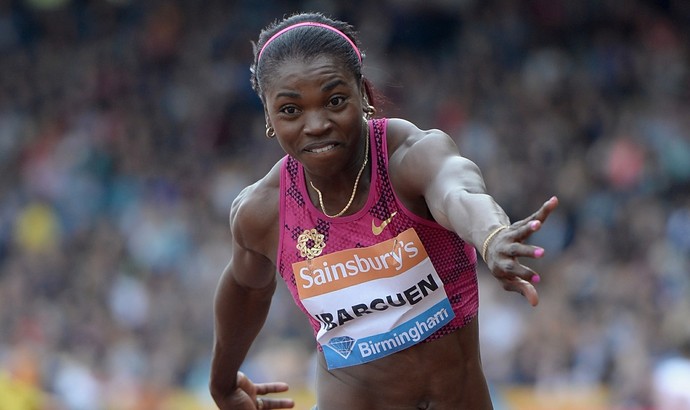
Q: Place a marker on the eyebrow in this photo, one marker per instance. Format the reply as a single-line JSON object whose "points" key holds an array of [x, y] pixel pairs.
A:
{"points": [[288, 94], [329, 86]]}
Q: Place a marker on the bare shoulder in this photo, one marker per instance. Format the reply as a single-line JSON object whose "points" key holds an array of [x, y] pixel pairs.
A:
{"points": [[404, 138], [254, 215], [415, 155], [401, 135]]}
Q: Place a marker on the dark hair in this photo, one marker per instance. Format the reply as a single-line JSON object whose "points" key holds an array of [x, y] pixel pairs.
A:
{"points": [[304, 44]]}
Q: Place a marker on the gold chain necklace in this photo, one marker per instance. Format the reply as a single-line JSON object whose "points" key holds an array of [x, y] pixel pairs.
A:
{"points": [[354, 190]]}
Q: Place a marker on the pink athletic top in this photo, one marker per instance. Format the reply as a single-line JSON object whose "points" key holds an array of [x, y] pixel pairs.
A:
{"points": [[454, 259]]}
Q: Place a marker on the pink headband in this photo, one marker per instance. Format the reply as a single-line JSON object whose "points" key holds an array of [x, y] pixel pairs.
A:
{"points": [[313, 24]]}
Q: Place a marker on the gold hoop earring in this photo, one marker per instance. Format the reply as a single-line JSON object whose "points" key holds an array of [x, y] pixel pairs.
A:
{"points": [[369, 112], [270, 132]]}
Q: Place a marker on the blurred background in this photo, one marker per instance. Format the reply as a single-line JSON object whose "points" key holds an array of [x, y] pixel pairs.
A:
{"points": [[127, 128]]}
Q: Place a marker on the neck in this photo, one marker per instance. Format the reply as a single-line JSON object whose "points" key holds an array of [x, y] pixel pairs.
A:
{"points": [[358, 178]]}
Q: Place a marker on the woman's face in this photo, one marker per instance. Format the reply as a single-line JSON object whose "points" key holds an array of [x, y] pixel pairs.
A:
{"points": [[316, 111]]}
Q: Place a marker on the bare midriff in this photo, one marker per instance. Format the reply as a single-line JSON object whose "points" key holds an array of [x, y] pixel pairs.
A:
{"points": [[444, 374]]}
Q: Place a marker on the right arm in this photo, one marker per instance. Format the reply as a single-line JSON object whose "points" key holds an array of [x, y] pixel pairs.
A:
{"points": [[428, 165], [241, 304]]}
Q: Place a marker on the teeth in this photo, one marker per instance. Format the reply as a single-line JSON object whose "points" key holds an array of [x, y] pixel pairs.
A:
{"points": [[324, 149]]}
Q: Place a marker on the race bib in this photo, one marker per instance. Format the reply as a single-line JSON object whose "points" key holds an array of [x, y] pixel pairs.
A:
{"points": [[372, 302]]}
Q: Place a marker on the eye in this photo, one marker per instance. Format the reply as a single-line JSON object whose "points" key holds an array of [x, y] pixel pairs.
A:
{"points": [[336, 101], [289, 110]]}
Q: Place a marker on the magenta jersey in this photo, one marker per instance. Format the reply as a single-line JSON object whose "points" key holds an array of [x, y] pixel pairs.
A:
{"points": [[454, 259]]}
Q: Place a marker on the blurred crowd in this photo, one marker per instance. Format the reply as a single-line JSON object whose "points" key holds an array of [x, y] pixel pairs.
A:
{"points": [[128, 127]]}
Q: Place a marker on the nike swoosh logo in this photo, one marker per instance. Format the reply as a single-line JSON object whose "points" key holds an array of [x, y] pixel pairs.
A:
{"points": [[376, 230]]}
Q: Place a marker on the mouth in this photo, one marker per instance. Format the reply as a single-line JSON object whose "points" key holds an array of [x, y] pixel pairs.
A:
{"points": [[320, 150]]}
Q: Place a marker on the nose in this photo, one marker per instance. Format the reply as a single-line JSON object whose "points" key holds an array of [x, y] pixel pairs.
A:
{"points": [[316, 123]]}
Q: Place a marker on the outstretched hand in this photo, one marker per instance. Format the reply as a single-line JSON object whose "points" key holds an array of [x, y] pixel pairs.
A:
{"points": [[247, 395], [508, 245]]}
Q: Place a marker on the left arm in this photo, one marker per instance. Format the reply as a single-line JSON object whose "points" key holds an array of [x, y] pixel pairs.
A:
{"points": [[455, 194]]}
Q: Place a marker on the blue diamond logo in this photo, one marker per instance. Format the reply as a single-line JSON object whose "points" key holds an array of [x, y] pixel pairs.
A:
{"points": [[342, 345]]}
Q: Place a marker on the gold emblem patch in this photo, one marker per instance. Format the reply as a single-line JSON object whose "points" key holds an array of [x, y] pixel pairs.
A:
{"points": [[310, 243]]}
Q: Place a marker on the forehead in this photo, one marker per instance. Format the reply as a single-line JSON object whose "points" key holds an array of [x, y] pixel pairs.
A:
{"points": [[297, 74]]}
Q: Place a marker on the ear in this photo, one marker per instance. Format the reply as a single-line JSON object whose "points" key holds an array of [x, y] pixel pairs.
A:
{"points": [[365, 91], [364, 100], [267, 118]]}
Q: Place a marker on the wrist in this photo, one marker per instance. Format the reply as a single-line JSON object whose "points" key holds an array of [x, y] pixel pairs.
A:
{"points": [[489, 239]]}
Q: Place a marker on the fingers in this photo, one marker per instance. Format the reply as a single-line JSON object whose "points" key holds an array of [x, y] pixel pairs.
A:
{"points": [[523, 229], [275, 387], [519, 249], [514, 276], [260, 389], [524, 288], [271, 403], [532, 223], [243, 382], [528, 290], [509, 270], [544, 211]]}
